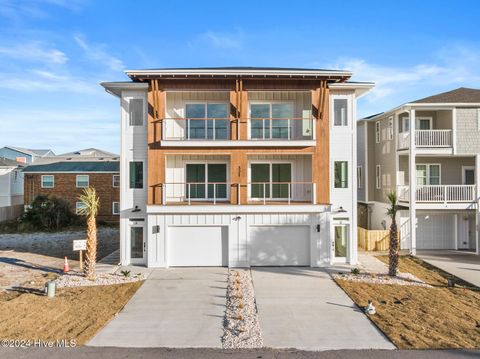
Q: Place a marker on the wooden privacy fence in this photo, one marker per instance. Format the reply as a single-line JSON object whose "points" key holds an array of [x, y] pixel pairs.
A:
{"points": [[373, 240], [10, 212]]}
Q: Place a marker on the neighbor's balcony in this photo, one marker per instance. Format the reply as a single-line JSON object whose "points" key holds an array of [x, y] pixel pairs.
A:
{"points": [[439, 193], [426, 139]]}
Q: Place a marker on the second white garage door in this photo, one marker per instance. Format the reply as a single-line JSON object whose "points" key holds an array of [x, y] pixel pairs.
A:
{"points": [[279, 245], [435, 230], [198, 246]]}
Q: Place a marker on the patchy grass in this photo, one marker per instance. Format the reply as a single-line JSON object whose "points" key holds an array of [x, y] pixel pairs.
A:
{"points": [[75, 313], [418, 317]]}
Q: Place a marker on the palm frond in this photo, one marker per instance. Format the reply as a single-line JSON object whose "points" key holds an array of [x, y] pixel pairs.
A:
{"points": [[90, 201], [393, 200]]}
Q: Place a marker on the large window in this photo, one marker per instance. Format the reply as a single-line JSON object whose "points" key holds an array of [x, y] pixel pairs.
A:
{"points": [[136, 174], [340, 112], [207, 121], [270, 180], [48, 181], [428, 174], [82, 181], [270, 120], [341, 241], [135, 111], [341, 174], [206, 181]]}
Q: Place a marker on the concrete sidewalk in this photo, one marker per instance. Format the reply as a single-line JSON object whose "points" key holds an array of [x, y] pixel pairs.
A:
{"points": [[177, 308], [462, 264], [303, 308]]}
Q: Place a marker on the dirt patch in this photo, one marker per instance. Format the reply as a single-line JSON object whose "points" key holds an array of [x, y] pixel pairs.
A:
{"points": [[75, 313], [419, 317]]}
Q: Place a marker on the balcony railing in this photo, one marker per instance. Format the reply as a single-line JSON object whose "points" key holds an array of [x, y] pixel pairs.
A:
{"points": [[281, 129], [288, 192], [188, 192], [440, 193], [426, 138], [212, 129]]}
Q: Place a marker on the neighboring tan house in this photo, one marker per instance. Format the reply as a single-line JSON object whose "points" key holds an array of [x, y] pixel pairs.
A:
{"points": [[238, 166], [11, 182], [66, 179], [24, 155], [432, 162]]}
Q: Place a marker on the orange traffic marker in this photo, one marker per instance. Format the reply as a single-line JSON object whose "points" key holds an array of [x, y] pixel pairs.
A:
{"points": [[66, 268]]}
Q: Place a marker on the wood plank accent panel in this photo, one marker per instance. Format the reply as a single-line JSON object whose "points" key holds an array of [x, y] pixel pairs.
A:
{"points": [[156, 157], [243, 117], [234, 112], [321, 156], [238, 174]]}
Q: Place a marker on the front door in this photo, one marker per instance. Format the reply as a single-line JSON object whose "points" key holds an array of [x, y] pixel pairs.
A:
{"points": [[468, 176], [341, 242], [138, 244]]}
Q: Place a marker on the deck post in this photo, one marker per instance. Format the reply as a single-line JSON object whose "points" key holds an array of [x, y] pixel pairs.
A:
{"points": [[477, 203], [413, 185]]}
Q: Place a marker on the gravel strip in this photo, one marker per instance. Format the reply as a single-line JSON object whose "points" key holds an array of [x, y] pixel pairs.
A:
{"points": [[242, 328], [383, 278], [76, 279]]}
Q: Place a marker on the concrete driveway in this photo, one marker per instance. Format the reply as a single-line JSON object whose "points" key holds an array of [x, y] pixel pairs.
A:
{"points": [[303, 308], [462, 264], [179, 308]]}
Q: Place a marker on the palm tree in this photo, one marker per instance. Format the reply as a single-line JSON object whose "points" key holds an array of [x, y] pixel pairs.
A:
{"points": [[90, 207], [394, 247]]}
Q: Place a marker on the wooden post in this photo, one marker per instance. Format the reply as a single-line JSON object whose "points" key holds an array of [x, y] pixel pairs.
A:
{"points": [[81, 260]]}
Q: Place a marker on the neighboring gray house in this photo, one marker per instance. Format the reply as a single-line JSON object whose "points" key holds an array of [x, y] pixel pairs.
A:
{"points": [[432, 163], [24, 155], [11, 182]]}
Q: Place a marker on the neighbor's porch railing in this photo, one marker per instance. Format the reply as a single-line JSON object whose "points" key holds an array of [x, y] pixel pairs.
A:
{"points": [[426, 138], [439, 193]]}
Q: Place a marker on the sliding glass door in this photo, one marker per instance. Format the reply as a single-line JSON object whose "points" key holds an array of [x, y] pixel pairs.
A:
{"points": [[207, 121], [270, 120], [206, 181], [270, 180]]}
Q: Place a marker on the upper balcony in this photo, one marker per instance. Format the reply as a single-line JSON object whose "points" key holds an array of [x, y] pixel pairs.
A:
{"points": [[282, 118]]}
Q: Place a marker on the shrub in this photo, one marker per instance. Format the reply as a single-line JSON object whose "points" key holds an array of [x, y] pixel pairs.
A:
{"points": [[355, 271], [48, 213]]}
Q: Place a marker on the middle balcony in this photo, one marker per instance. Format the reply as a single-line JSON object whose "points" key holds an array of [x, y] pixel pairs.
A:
{"points": [[268, 118]]}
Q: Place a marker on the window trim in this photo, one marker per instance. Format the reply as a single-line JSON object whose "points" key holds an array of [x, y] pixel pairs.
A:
{"points": [[213, 162], [467, 168], [378, 177], [430, 122], [53, 181], [113, 181], [113, 209], [346, 124], [77, 208], [346, 177], [360, 177], [129, 175], [427, 174], [377, 132], [88, 181], [143, 112]]}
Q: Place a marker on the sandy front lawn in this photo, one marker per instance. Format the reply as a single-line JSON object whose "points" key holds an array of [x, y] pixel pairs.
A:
{"points": [[75, 313], [418, 317]]}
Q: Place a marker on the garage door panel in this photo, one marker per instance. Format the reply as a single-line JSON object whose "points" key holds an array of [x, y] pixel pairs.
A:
{"points": [[279, 245], [435, 231], [198, 246]]}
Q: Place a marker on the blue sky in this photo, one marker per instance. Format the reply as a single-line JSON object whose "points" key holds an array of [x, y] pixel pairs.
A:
{"points": [[53, 53]]}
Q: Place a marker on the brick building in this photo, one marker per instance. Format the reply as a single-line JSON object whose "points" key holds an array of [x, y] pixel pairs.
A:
{"points": [[67, 179]]}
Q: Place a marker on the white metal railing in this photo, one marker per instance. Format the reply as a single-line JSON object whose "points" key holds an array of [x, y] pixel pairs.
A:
{"points": [[181, 192], [440, 193], [209, 129], [282, 191], [287, 129], [426, 138]]}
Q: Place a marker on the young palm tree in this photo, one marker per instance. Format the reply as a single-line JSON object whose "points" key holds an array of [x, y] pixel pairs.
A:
{"points": [[394, 245], [91, 204]]}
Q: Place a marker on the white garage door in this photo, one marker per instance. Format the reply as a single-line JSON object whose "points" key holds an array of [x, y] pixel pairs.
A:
{"points": [[435, 231], [198, 246], [279, 245]]}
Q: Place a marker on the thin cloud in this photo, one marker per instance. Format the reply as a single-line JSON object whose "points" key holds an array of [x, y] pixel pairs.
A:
{"points": [[97, 52], [34, 51], [37, 9], [224, 40]]}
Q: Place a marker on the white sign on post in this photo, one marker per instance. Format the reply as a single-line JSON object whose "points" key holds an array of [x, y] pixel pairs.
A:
{"points": [[80, 245]]}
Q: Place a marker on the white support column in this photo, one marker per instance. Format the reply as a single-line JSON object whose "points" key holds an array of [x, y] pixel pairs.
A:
{"points": [[477, 209], [413, 185], [454, 130]]}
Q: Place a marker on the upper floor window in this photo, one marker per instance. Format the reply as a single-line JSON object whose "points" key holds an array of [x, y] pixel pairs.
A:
{"points": [[116, 180], [207, 121], [377, 132], [270, 180], [405, 124], [80, 207], [136, 174], [359, 177], [271, 120], [135, 111], [428, 174], [340, 112], [82, 181], [390, 128], [115, 208], [341, 174], [48, 181], [378, 177]]}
